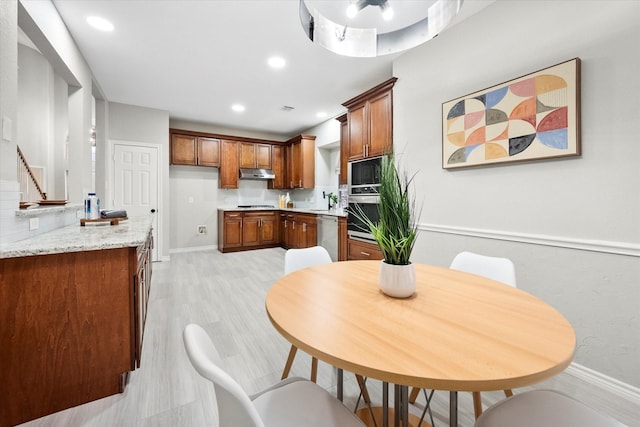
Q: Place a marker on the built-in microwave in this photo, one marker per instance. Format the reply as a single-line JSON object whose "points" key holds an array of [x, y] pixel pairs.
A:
{"points": [[364, 176]]}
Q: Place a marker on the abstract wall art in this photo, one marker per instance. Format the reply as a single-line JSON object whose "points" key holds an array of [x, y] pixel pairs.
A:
{"points": [[536, 116]]}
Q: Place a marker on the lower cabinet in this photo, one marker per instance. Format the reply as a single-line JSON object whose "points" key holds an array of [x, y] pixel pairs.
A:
{"points": [[247, 230], [242, 230], [71, 327], [305, 231], [259, 228], [360, 250]]}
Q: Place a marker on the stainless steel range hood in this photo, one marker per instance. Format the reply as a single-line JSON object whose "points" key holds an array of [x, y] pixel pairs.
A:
{"points": [[247, 173]]}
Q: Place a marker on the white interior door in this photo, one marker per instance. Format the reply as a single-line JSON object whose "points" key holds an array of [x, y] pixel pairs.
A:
{"points": [[136, 183]]}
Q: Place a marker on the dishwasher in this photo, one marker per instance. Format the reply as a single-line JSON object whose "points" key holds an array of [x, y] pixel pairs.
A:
{"points": [[328, 234]]}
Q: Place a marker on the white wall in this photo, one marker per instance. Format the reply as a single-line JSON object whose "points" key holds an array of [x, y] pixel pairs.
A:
{"points": [[569, 225], [42, 24]]}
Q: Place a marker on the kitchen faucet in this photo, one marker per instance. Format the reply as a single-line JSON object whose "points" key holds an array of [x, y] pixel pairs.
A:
{"points": [[329, 198]]}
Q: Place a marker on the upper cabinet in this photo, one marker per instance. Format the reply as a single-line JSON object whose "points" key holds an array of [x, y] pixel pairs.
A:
{"points": [[369, 124], [254, 155], [229, 164], [344, 149], [278, 165], [301, 161], [194, 150], [293, 161]]}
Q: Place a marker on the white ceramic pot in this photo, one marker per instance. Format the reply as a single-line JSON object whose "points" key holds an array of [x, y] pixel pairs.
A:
{"points": [[398, 281]]}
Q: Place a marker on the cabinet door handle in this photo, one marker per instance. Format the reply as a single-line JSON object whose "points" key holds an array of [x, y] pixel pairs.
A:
{"points": [[304, 227], [233, 215], [300, 185], [285, 223], [365, 253], [293, 225]]}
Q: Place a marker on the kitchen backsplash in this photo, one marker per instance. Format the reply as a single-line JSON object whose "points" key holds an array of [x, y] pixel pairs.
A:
{"points": [[255, 193]]}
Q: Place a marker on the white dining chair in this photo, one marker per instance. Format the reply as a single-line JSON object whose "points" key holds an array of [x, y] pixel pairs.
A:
{"points": [[297, 259], [291, 403], [495, 268], [543, 408], [294, 260]]}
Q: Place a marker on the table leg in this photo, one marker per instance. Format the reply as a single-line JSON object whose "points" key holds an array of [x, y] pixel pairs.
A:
{"points": [[385, 404], [453, 409], [396, 405], [340, 375], [404, 405]]}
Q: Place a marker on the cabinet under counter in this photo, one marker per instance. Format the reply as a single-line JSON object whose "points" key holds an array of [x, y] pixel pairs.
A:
{"points": [[71, 322]]}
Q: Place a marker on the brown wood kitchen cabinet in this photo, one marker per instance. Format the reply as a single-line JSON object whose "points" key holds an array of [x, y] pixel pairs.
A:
{"points": [[370, 122], [342, 239], [247, 230], [305, 231], [72, 327], [229, 164], [344, 149], [231, 232], [301, 162], [194, 150], [278, 165], [254, 155], [359, 250], [259, 228]]}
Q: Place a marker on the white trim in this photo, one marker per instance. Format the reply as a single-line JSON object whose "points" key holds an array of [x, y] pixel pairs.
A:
{"points": [[612, 385], [618, 248], [193, 249]]}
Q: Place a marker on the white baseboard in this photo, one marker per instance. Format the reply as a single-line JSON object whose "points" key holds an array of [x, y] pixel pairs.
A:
{"points": [[612, 385], [618, 248], [193, 249]]}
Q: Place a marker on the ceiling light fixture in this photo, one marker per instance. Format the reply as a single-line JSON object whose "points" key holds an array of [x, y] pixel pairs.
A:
{"points": [[385, 36], [238, 108], [100, 23], [358, 5], [276, 62], [321, 115]]}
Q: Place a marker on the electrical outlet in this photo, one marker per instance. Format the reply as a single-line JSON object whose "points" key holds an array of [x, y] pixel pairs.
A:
{"points": [[202, 229], [34, 223]]}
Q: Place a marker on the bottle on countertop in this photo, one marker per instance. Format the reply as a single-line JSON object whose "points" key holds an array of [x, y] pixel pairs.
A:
{"points": [[92, 207], [288, 201]]}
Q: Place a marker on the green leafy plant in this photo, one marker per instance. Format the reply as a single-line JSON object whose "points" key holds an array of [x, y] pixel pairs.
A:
{"points": [[396, 230]]}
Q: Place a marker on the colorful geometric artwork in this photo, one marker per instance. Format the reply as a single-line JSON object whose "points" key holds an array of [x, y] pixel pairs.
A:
{"points": [[533, 117]]}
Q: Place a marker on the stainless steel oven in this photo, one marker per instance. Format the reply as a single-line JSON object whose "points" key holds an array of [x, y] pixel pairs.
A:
{"points": [[369, 205]]}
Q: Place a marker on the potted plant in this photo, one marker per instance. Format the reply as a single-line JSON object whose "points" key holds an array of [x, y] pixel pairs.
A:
{"points": [[395, 231]]}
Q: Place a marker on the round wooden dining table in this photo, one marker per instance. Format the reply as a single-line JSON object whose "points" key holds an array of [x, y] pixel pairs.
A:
{"points": [[458, 332]]}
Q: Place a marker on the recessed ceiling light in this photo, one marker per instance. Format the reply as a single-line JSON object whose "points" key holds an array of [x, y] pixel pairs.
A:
{"points": [[238, 108], [321, 114], [276, 62], [99, 23]]}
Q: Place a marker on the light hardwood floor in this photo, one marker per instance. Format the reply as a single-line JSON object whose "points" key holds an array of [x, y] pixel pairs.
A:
{"points": [[225, 293]]}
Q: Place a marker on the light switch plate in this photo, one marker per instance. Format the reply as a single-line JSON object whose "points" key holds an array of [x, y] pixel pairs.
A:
{"points": [[34, 223]]}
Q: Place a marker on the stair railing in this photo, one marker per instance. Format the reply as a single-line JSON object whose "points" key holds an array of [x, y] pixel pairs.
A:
{"points": [[27, 179]]}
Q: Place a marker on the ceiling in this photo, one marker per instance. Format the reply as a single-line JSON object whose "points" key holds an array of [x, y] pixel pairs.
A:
{"points": [[195, 58]]}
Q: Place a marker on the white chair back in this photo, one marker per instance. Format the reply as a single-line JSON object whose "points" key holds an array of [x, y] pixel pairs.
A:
{"points": [[543, 408], [234, 406], [297, 259], [500, 269]]}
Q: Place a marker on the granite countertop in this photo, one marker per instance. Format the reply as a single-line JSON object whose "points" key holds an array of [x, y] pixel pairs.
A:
{"points": [[75, 238], [332, 212]]}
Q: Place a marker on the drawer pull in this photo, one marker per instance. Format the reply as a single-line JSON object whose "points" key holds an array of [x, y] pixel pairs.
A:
{"points": [[365, 253]]}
